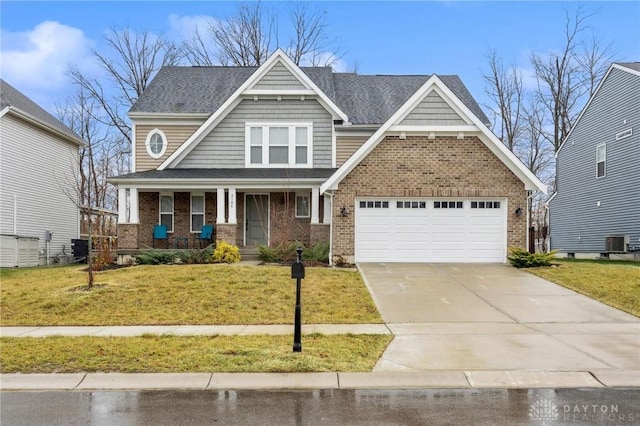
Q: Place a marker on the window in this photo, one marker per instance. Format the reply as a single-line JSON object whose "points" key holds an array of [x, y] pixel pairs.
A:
{"points": [[447, 204], [374, 204], [601, 160], [485, 204], [302, 206], [156, 143], [279, 145], [166, 211], [411, 204], [197, 212]]}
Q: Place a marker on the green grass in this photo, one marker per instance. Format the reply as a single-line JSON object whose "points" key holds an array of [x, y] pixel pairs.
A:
{"points": [[182, 294], [191, 354], [616, 283]]}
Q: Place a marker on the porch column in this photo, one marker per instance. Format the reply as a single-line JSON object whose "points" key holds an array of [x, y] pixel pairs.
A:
{"points": [[232, 207], [315, 205], [134, 216], [122, 205], [327, 209], [220, 206]]}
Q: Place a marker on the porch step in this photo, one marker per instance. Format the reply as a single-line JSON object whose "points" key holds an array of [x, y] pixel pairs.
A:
{"points": [[249, 253]]}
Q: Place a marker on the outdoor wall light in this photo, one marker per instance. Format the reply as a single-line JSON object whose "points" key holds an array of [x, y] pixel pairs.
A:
{"points": [[344, 211], [518, 211]]}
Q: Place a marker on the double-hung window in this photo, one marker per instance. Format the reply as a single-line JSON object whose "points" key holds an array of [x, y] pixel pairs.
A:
{"points": [[302, 205], [279, 144], [166, 211], [601, 160], [197, 212]]}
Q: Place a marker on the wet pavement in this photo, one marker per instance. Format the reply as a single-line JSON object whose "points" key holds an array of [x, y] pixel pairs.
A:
{"points": [[325, 407]]}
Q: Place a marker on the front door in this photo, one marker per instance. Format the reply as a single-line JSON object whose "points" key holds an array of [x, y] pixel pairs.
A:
{"points": [[257, 220]]}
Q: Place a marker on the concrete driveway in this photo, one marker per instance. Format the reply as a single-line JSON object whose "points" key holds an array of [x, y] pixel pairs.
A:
{"points": [[488, 317]]}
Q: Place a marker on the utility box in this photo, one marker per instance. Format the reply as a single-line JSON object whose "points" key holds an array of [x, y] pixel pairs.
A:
{"points": [[616, 244]]}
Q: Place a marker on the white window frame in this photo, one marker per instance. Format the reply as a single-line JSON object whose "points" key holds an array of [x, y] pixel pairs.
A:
{"points": [[291, 147], [147, 143], [192, 213], [603, 160], [308, 197], [173, 209]]}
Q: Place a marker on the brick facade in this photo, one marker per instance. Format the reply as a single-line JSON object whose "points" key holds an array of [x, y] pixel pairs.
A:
{"points": [[127, 236], [423, 167]]}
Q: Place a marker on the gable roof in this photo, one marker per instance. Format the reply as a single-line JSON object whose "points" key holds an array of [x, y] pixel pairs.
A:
{"points": [[486, 136], [16, 101], [365, 99], [632, 68]]}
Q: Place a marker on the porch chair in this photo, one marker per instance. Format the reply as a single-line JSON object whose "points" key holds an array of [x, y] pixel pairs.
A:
{"points": [[160, 233], [205, 234]]}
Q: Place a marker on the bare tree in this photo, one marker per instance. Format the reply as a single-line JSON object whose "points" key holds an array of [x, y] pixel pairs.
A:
{"points": [[504, 88], [565, 76], [536, 153], [251, 36], [132, 61]]}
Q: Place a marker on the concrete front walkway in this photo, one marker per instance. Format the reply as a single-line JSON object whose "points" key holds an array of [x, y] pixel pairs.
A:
{"points": [[480, 318]]}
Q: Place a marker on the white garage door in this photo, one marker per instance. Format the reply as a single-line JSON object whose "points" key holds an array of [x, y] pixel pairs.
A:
{"points": [[430, 230]]}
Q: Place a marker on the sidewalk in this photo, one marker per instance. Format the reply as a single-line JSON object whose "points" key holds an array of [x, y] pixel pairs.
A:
{"points": [[280, 381]]}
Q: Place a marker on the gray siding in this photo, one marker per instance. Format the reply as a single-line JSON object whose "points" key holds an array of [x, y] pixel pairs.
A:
{"points": [[432, 110], [224, 146], [40, 170], [278, 77], [574, 213]]}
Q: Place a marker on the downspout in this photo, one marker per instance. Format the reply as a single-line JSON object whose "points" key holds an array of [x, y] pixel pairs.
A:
{"points": [[529, 205]]}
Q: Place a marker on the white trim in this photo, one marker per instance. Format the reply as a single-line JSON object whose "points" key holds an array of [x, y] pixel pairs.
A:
{"points": [[233, 213], [220, 219], [438, 129], [122, 205], [236, 98], [134, 206], [595, 92], [295, 93], [191, 212], [183, 185], [4, 111], [147, 143], [167, 115], [133, 147], [291, 144], [173, 209], [161, 122], [486, 136]]}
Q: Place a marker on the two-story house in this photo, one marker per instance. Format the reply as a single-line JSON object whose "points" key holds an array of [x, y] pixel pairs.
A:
{"points": [[384, 168], [596, 207], [39, 165]]}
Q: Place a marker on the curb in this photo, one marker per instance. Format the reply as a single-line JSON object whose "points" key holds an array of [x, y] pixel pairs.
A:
{"points": [[308, 381]]}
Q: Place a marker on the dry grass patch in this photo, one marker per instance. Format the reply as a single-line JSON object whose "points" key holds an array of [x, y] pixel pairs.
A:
{"points": [[148, 354], [616, 283], [182, 294]]}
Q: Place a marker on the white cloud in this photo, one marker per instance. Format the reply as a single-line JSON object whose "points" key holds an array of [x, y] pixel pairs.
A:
{"points": [[181, 28], [39, 58]]}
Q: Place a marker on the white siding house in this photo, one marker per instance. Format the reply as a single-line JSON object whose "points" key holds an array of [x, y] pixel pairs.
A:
{"points": [[38, 166]]}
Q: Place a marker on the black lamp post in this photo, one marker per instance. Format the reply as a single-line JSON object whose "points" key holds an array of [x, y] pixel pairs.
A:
{"points": [[297, 272]]}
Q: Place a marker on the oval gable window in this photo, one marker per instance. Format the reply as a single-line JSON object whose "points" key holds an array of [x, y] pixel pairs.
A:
{"points": [[156, 143]]}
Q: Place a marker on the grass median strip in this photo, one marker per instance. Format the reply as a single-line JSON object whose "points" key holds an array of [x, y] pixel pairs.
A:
{"points": [[164, 354], [616, 283], [182, 295]]}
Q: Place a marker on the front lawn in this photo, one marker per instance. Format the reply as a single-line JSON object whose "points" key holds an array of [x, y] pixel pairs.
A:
{"points": [[182, 294], [616, 283], [163, 354]]}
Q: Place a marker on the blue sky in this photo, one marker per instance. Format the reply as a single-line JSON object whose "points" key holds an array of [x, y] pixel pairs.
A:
{"points": [[40, 40]]}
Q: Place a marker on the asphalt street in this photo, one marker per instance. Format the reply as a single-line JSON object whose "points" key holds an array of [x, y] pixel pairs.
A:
{"points": [[603, 406]]}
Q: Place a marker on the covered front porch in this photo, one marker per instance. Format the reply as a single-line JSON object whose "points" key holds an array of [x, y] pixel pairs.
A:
{"points": [[239, 218]]}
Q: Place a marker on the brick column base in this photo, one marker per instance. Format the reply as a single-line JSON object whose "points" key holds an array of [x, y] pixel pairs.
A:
{"points": [[226, 232], [319, 233], [127, 236]]}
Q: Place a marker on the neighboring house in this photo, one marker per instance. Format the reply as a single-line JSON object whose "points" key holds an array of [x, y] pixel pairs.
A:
{"points": [[38, 167], [596, 207], [384, 168]]}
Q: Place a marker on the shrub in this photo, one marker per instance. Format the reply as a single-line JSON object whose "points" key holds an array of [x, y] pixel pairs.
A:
{"points": [[521, 258], [317, 253], [226, 253], [194, 257], [156, 257], [284, 252]]}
